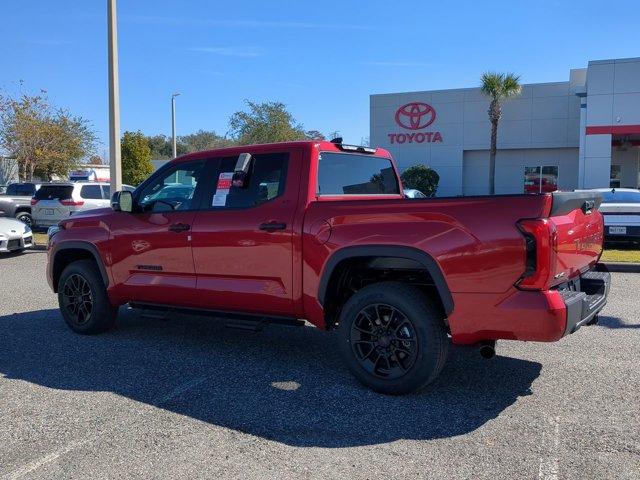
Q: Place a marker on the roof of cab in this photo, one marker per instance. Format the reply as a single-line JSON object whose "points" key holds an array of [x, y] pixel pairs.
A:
{"points": [[321, 145]]}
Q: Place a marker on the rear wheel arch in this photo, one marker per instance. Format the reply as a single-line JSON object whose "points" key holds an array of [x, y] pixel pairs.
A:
{"points": [[72, 251], [387, 258]]}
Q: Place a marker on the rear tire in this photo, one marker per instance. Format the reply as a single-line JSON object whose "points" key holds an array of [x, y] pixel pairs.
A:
{"points": [[393, 338], [24, 217], [83, 299]]}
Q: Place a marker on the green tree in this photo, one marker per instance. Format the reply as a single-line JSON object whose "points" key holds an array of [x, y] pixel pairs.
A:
{"points": [[498, 87], [265, 123], [421, 177], [136, 158], [314, 135], [44, 140], [161, 147], [204, 140]]}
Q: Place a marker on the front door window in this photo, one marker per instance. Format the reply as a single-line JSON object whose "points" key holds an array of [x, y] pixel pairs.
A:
{"points": [[173, 191]]}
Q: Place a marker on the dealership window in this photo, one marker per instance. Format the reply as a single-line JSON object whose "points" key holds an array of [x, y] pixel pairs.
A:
{"points": [[541, 179], [615, 177]]}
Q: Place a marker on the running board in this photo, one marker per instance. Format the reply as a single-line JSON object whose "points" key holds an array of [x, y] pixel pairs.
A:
{"points": [[239, 321]]}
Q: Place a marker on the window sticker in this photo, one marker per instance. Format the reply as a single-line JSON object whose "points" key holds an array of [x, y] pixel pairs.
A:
{"points": [[222, 189], [224, 181]]}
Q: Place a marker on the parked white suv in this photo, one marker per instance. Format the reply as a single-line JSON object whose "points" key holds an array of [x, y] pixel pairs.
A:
{"points": [[56, 201]]}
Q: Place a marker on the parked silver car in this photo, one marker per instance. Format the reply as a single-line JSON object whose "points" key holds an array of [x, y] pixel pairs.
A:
{"points": [[56, 201], [15, 236], [16, 201], [621, 211]]}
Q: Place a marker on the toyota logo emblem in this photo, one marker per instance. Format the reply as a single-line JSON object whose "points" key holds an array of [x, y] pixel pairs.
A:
{"points": [[415, 115]]}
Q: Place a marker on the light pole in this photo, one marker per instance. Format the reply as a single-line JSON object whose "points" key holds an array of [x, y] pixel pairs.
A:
{"points": [[115, 164], [173, 124]]}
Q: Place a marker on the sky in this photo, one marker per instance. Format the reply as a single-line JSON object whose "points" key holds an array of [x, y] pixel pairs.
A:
{"points": [[322, 59]]}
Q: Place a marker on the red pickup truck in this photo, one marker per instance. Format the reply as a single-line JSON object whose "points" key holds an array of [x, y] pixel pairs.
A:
{"points": [[321, 231]]}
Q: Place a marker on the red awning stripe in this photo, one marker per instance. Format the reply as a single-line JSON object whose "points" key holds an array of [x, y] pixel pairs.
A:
{"points": [[613, 130]]}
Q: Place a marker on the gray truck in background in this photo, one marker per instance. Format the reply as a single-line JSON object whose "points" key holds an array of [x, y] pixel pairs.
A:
{"points": [[16, 201]]}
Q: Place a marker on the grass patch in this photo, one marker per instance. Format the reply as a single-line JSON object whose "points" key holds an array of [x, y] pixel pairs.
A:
{"points": [[40, 238], [624, 256]]}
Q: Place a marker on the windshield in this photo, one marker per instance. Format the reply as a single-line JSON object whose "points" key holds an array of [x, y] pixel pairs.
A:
{"points": [[617, 196], [351, 174]]}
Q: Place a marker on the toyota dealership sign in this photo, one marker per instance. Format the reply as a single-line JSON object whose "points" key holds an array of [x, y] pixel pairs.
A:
{"points": [[415, 117]]}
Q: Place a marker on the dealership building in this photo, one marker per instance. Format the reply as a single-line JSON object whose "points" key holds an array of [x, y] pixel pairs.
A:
{"points": [[580, 133]]}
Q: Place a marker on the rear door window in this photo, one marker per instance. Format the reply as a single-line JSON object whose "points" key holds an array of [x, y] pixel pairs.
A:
{"points": [[266, 181], [54, 192], [91, 192], [352, 174]]}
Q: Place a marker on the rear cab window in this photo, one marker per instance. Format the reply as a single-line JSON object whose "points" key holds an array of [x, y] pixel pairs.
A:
{"points": [[355, 174], [54, 192]]}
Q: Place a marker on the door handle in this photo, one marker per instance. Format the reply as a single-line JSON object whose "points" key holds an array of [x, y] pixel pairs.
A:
{"points": [[179, 227], [272, 226]]}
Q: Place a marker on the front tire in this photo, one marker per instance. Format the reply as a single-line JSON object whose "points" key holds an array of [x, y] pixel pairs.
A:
{"points": [[83, 299], [393, 338]]}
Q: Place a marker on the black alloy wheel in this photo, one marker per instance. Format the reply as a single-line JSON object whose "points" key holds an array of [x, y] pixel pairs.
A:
{"points": [[83, 299], [393, 337], [78, 299], [384, 341]]}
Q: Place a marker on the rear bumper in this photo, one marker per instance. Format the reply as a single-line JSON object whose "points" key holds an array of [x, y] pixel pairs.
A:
{"points": [[42, 223], [537, 316], [587, 299]]}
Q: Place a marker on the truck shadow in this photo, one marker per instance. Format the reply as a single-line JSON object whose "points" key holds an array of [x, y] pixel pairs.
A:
{"points": [[615, 323], [284, 384]]}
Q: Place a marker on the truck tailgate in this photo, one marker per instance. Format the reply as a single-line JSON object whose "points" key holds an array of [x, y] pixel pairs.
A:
{"points": [[579, 233]]}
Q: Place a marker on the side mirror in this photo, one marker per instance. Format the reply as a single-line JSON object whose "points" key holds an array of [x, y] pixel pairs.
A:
{"points": [[241, 172], [122, 201]]}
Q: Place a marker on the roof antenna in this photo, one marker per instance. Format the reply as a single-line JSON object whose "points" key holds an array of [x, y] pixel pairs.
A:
{"points": [[337, 140]]}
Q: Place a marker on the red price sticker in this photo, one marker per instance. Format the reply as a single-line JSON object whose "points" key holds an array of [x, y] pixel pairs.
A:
{"points": [[224, 181]]}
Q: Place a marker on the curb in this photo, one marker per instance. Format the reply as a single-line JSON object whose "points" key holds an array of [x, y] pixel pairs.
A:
{"points": [[621, 267]]}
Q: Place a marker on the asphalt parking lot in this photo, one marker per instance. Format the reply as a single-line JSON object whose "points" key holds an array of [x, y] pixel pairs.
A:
{"points": [[187, 398]]}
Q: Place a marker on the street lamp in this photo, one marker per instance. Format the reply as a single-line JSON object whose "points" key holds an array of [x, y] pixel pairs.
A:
{"points": [[173, 123], [115, 165]]}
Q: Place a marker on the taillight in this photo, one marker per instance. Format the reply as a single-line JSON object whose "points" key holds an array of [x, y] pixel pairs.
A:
{"points": [[33, 201], [540, 246], [72, 203]]}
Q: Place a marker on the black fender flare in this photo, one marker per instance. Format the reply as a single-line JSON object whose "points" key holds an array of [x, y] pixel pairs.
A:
{"points": [[409, 253], [79, 245]]}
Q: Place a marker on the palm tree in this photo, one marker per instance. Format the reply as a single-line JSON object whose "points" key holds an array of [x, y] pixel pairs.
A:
{"points": [[497, 86]]}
